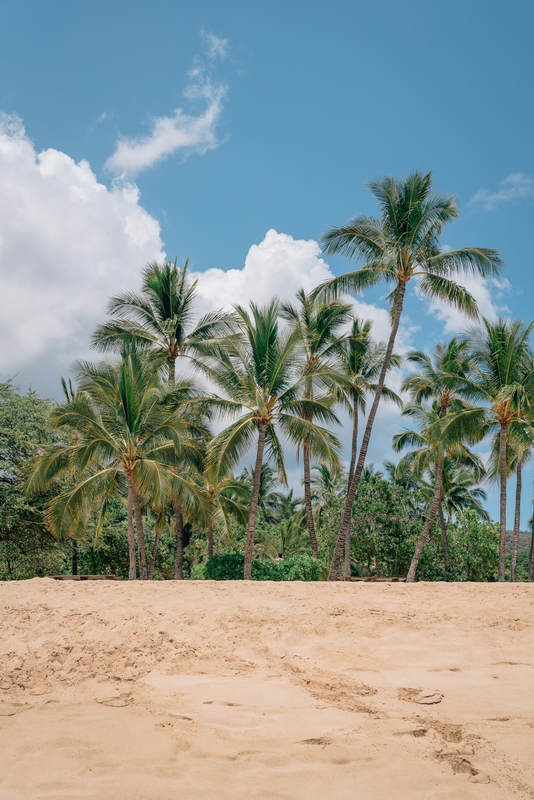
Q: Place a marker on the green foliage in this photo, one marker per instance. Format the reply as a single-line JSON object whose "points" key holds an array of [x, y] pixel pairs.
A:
{"points": [[475, 547], [229, 567], [26, 545]]}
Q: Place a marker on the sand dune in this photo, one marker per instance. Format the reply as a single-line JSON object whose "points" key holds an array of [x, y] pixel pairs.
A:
{"points": [[266, 691]]}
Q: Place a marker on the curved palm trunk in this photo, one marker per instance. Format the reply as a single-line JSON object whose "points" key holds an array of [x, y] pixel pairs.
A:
{"points": [[502, 504], [354, 444], [423, 536], [143, 572], [179, 562], [172, 371], [132, 571], [444, 537], [254, 501], [308, 503], [354, 452], [517, 520], [210, 538], [345, 522]]}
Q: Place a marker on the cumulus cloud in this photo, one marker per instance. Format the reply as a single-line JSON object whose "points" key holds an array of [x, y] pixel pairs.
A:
{"points": [[280, 265], [517, 186], [180, 131], [66, 243], [488, 292]]}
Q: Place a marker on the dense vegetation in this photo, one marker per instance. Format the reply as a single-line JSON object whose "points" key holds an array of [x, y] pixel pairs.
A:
{"points": [[126, 474]]}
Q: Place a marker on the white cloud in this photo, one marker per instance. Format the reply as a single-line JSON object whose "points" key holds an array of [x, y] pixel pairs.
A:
{"points": [[516, 186], [66, 243], [486, 292], [215, 46], [179, 132], [280, 266]]}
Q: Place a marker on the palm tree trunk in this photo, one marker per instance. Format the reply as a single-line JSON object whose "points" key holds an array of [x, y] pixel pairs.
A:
{"points": [[444, 537], [143, 572], [531, 561], [354, 445], [74, 557], [154, 553], [132, 571], [179, 562], [172, 371], [502, 509], [254, 501], [517, 520], [308, 503], [354, 452], [423, 536], [210, 538], [345, 522]]}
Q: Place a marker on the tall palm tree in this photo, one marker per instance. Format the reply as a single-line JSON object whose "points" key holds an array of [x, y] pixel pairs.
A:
{"points": [[361, 360], [400, 245], [127, 431], [160, 318], [431, 446], [435, 380], [318, 326], [502, 384], [260, 375]]}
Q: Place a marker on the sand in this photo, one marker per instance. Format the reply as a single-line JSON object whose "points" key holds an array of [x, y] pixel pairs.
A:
{"points": [[266, 691]]}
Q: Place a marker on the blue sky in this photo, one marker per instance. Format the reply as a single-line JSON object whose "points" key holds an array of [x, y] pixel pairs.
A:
{"points": [[289, 109]]}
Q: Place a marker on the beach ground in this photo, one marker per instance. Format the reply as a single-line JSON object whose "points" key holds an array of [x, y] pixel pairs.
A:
{"points": [[266, 691]]}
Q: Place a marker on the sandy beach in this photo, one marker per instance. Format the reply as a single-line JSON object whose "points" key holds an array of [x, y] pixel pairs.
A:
{"points": [[263, 691]]}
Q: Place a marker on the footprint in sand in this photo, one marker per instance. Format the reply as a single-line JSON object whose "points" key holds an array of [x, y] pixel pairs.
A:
{"points": [[10, 709], [119, 701], [425, 697]]}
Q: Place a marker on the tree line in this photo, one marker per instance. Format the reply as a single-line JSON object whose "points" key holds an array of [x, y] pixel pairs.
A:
{"points": [[163, 425]]}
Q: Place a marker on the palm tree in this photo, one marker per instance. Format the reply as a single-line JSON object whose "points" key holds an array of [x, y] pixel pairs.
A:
{"points": [[127, 431], [159, 318], [435, 381], [318, 326], [400, 245], [361, 360], [431, 447], [460, 491], [502, 383], [228, 497], [260, 375]]}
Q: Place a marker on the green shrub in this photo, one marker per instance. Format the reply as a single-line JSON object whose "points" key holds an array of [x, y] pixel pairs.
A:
{"points": [[225, 567], [198, 572], [230, 566]]}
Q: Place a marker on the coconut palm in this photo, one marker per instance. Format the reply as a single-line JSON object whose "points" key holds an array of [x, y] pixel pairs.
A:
{"points": [[318, 326], [400, 245], [259, 372], [160, 318], [127, 430], [361, 360], [435, 380], [228, 499], [502, 384], [432, 446], [460, 491]]}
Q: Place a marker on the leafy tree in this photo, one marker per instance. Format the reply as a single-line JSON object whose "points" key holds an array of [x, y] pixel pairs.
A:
{"points": [[160, 317], [318, 326], [26, 546], [127, 429], [400, 245], [501, 383], [259, 373], [361, 360]]}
